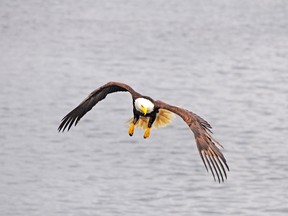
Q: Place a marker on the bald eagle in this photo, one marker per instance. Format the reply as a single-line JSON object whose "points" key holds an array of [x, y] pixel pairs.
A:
{"points": [[147, 113]]}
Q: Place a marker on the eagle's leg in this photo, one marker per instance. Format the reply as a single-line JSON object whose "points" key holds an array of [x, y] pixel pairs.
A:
{"points": [[131, 128], [147, 132], [150, 123]]}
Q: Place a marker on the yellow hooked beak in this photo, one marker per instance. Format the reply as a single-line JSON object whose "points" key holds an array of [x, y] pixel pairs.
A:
{"points": [[144, 110]]}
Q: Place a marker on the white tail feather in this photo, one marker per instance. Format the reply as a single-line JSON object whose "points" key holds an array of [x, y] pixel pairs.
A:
{"points": [[163, 118]]}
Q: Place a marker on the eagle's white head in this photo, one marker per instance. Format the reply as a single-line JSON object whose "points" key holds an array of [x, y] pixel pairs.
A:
{"points": [[144, 105]]}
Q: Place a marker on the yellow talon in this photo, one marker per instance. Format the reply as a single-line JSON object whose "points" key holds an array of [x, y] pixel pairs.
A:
{"points": [[147, 133], [131, 129]]}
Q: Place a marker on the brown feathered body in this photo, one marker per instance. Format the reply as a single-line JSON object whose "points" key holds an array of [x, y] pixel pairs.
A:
{"points": [[149, 113]]}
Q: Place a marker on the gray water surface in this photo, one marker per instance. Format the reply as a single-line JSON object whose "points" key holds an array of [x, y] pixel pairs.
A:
{"points": [[224, 60]]}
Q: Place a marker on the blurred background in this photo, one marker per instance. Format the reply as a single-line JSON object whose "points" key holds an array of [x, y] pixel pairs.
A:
{"points": [[224, 60]]}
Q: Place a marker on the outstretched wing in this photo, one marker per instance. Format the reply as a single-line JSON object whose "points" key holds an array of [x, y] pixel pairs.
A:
{"points": [[89, 102], [211, 156]]}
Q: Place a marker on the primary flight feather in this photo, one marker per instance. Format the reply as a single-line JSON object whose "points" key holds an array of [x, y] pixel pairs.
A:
{"points": [[148, 112]]}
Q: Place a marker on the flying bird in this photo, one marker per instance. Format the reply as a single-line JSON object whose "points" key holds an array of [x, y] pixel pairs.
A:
{"points": [[150, 113]]}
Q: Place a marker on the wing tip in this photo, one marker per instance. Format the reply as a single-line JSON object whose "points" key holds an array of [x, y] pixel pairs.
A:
{"points": [[214, 163]]}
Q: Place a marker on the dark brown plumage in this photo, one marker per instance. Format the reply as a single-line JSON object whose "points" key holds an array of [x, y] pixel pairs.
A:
{"points": [[210, 154]]}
